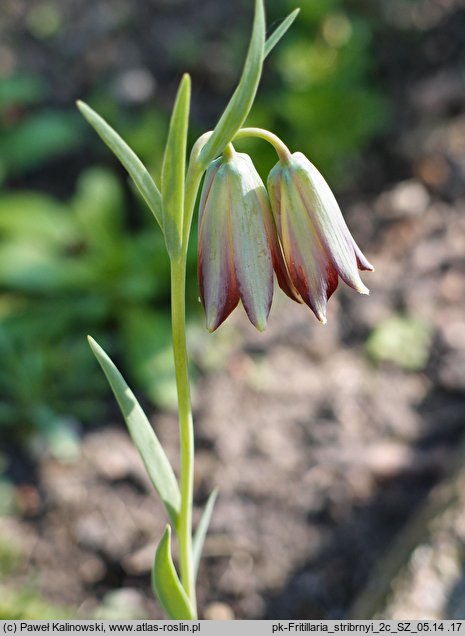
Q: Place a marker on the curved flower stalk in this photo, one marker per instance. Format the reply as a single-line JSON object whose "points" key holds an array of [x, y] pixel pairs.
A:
{"points": [[317, 245]]}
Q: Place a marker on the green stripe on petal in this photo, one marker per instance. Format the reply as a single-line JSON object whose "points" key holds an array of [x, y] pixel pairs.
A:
{"points": [[326, 216], [234, 252], [252, 255]]}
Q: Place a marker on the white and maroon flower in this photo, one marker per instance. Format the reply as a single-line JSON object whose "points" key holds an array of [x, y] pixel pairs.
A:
{"points": [[235, 260], [316, 243]]}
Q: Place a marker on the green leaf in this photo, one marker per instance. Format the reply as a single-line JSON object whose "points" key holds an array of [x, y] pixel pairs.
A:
{"points": [[241, 102], [174, 168], [201, 531], [166, 584], [128, 158], [278, 33], [155, 460]]}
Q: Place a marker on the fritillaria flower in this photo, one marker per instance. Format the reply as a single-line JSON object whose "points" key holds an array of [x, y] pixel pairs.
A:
{"points": [[316, 243], [303, 237], [235, 260]]}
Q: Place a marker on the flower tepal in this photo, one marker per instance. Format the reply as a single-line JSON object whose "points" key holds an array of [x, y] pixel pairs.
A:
{"points": [[316, 243], [235, 260]]}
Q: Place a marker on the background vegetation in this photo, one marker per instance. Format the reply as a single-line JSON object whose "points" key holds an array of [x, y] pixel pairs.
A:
{"points": [[79, 254], [367, 90]]}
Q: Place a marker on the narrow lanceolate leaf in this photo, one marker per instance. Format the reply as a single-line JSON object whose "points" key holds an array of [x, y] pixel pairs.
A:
{"points": [[201, 531], [166, 584], [278, 33], [144, 438], [136, 169], [244, 95], [173, 171]]}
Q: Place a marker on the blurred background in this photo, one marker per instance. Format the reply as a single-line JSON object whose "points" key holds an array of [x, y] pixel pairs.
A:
{"points": [[338, 450]]}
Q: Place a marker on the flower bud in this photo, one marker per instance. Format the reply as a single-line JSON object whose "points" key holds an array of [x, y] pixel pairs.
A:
{"points": [[235, 260], [316, 243]]}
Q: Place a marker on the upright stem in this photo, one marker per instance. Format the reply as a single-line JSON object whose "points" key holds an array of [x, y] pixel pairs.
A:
{"points": [[186, 428], [194, 174], [193, 178], [186, 431]]}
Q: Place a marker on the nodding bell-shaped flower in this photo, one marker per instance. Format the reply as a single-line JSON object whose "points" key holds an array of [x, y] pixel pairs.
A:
{"points": [[316, 243], [235, 260]]}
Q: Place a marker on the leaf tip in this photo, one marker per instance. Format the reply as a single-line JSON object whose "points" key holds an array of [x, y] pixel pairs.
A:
{"points": [[94, 345], [165, 541], [185, 86], [82, 106]]}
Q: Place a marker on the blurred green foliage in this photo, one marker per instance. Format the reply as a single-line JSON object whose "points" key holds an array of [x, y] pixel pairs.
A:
{"points": [[95, 263], [31, 133], [10, 556], [68, 269], [327, 105], [402, 340], [27, 604], [24, 601]]}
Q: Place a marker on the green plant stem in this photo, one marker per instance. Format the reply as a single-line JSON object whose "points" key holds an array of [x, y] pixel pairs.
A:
{"points": [[194, 174], [283, 151], [186, 430], [193, 179]]}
